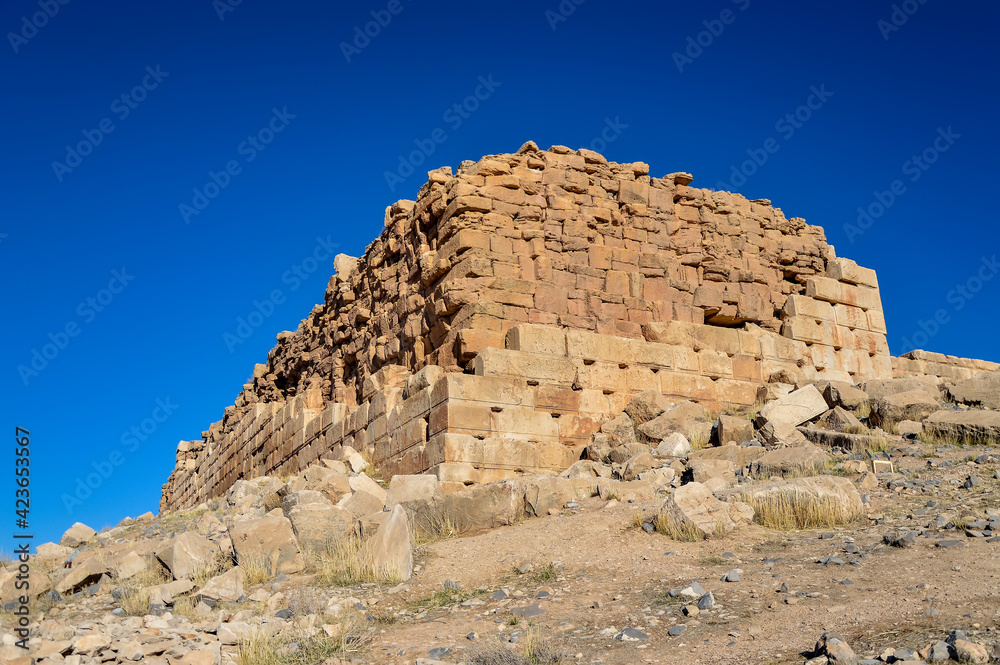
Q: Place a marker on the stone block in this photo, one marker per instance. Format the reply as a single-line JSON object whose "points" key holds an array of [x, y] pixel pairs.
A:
{"points": [[531, 338]]}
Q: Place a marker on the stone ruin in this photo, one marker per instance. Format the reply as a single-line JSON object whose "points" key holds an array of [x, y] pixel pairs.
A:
{"points": [[517, 304]]}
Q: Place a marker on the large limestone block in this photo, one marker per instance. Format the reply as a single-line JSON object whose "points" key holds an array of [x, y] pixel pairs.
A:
{"points": [[796, 407], [968, 426], [403, 489], [186, 553], [541, 367], [268, 539], [846, 270], [804, 460], [483, 506], [533, 338], [912, 405], [390, 551], [693, 508], [982, 390], [77, 535], [226, 588]]}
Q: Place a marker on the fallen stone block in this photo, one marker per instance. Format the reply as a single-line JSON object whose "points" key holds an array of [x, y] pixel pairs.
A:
{"points": [[185, 554], [794, 408], [804, 460], [269, 541], [911, 405], [982, 391], [691, 512], [981, 427], [389, 552]]}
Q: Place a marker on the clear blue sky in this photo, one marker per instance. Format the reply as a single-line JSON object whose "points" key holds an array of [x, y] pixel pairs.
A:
{"points": [[198, 91]]}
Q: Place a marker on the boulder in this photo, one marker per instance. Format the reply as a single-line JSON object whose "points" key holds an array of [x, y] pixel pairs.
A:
{"points": [[545, 496], [836, 649], [797, 461], [599, 447], [185, 554], [982, 390], [52, 551], [911, 405], [163, 594], [620, 430], [692, 509], [647, 405], [477, 508], [967, 651], [688, 418], [389, 551], [82, 575], [267, 539], [91, 643], [965, 426], [130, 565], [623, 454], [740, 456], [731, 429], [675, 445], [412, 488], [660, 478], [772, 391], [781, 434], [366, 496], [844, 395], [881, 388], [227, 587], [703, 469], [77, 535], [638, 464], [841, 420], [909, 428], [316, 522], [794, 408], [586, 469], [331, 483]]}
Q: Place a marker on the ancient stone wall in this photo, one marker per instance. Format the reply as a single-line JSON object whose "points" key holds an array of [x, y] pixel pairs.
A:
{"points": [[938, 365], [649, 281]]}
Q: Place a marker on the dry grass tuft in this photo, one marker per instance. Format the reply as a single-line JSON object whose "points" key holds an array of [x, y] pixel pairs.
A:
{"points": [[682, 531], [256, 570], [343, 564], [793, 509], [218, 565], [533, 651], [864, 409]]}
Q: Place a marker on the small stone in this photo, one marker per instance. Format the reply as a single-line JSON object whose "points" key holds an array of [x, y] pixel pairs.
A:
{"points": [[706, 601], [631, 635], [733, 575], [676, 630]]}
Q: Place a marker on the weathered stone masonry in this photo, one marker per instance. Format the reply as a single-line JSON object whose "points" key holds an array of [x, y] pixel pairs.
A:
{"points": [[518, 302]]}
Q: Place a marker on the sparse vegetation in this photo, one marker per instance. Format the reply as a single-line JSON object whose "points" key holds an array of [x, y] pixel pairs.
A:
{"points": [[446, 598], [712, 560], [434, 525], [684, 531], [798, 510], [342, 564], [218, 565], [534, 651], [259, 648], [135, 596], [864, 410]]}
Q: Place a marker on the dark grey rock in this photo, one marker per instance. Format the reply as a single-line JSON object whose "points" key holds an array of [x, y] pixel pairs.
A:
{"points": [[631, 635], [676, 630]]}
